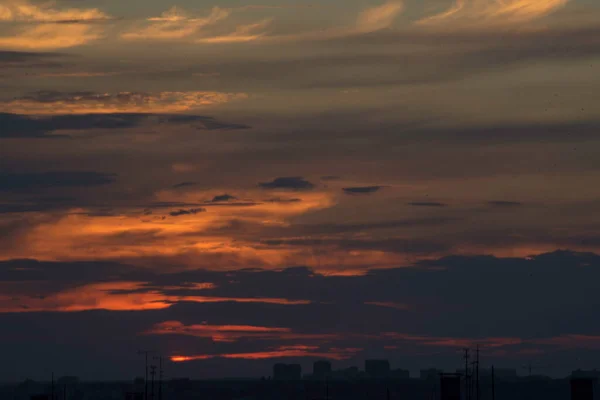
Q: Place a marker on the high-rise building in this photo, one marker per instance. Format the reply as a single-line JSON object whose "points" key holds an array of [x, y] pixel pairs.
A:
{"points": [[430, 374], [287, 372], [377, 368], [582, 389], [400, 373], [593, 374], [321, 369]]}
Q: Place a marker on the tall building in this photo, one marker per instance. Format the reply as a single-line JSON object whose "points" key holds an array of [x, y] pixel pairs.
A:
{"points": [[582, 389], [400, 373], [593, 374], [430, 374], [287, 372], [450, 387], [377, 368], [321, 369]]}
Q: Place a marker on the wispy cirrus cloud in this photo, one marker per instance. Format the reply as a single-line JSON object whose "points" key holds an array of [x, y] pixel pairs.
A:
{"points": [[53, 102], [484, 13], [242, 33], [51, 36], [47, 27], [379, 17], [24, 11], [117, 296], [233, 333], [175, 23]]}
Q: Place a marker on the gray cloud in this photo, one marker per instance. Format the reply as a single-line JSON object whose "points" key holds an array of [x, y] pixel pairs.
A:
{"points": [[288, 183], [183, 184], [427, 204], [223, 198], [191, 211], [331, 178], [23, 126], [504, 203], [362, 189], [15, 182]]}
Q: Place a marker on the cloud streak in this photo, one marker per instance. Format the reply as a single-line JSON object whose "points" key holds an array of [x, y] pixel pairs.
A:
{"points": [[53, 102], [485, 13]]}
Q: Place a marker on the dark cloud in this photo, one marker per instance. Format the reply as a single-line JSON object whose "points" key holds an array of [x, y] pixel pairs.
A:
{"points": [[460, 299], [503, 203], [223, 198], [22, 126], [184, 184], [14, 182], [392, 245], [289, 183], [331, 178], [23, 59], [191, 211], [282, 200], [427, 204], [362, 189]]}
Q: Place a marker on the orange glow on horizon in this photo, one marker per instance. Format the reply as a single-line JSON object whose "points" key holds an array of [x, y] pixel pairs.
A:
{"points": [[299, 351]]}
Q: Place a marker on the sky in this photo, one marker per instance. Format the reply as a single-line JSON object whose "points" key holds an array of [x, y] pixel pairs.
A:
{"points": [[236, 184]]}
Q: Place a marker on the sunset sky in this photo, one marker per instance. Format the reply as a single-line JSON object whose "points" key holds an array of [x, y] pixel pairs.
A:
{"points": [[233, 184]]}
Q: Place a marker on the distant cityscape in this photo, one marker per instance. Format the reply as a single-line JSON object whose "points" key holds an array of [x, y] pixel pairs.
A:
{"points": [[378, 380]]}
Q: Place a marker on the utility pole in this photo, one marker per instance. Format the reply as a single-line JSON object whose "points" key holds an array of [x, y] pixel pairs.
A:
{"points": [[467, 397], [493, 384], [153, 372], [145, 353], [160, 378], [477, 373]]}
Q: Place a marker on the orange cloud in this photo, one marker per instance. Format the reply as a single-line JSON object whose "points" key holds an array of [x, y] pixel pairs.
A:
{"points": [[117, 296], [494, 12], [175, 24], [232, 333], [243, 33], [51, 36], [380, 17], [24, 11], [52, 29], [280, 352], [122, 102]]}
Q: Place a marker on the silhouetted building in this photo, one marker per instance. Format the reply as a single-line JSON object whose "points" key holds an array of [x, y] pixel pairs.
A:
{"points": [[450, 387], [593, 374], [400, 374], [430, 374], [134, 396], [377, 368], [582, 389], [287, 372], [40, 397], [321, 369]]}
